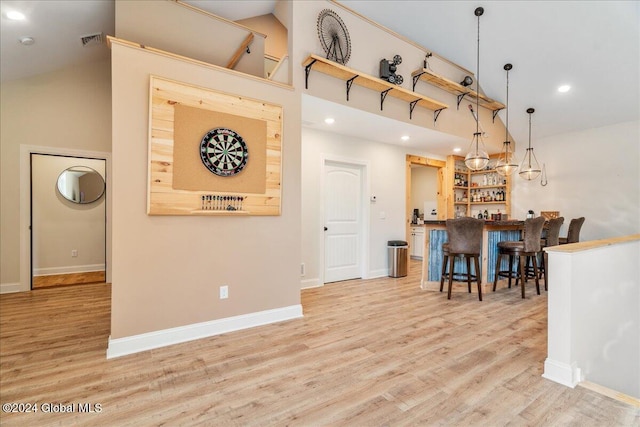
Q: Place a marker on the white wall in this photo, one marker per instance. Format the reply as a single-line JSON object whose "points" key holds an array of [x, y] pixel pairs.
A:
{"points": [[424, 188], [387, 182], [167, 269], [69, 109], [593, 173], [371, 43], [594, 321], [188, 32], [59, 226]]}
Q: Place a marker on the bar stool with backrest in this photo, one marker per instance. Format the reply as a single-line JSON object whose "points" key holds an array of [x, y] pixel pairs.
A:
{"points": [[573, 235], [465, 239], [552, 239], [551, 235], [523, 249]]}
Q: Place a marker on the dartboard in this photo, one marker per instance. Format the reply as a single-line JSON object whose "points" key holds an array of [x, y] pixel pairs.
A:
{"points": [[223, 152]]}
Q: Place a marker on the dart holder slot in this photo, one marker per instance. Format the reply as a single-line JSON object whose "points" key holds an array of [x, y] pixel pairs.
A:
{"points": [[214, 203]]}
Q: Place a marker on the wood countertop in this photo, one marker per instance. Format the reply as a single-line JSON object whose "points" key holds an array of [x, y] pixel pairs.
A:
{"points": [[508, 222], [592, 244]]}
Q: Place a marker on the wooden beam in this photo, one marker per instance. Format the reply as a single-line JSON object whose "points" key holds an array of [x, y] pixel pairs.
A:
{"points": [[277, 67], [241, 50]]}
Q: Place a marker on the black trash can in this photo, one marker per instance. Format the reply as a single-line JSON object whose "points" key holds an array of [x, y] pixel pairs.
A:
{"points": [[398, 251]]}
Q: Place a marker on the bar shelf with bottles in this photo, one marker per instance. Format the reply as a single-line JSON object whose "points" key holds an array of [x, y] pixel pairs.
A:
{"points": [[484, 193]]}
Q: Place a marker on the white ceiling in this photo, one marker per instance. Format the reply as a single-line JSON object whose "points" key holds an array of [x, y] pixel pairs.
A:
{"points": [[57, 28], [592, 45]]}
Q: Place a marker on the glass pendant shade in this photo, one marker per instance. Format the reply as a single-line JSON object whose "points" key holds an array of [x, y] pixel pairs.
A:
{"points": [[507, 163], [477, 158], [530, 168]]}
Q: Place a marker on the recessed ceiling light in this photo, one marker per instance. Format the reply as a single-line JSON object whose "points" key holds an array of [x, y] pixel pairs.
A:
{"points": [[457, 150], [16, 16], [329, 120], [404, 137], [27, 41], [564, 88]]}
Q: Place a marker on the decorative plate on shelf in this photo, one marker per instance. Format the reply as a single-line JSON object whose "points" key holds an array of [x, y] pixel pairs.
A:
{"points": [[223, 152]]}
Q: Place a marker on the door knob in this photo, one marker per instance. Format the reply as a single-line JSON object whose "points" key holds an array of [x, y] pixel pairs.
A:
{"points": [[325, 229]]}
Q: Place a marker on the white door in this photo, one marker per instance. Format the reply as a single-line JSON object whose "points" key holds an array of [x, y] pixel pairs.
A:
{"points": [[343, 222]]}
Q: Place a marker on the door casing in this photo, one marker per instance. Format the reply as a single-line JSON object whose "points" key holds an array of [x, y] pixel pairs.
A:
{"points": [[25, 204]]}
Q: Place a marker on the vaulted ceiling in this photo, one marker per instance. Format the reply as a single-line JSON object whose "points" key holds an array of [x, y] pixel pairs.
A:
{"points": [[594, 46]]}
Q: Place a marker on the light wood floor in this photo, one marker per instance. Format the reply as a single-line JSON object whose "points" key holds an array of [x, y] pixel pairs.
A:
{"points": [[366, 353]]}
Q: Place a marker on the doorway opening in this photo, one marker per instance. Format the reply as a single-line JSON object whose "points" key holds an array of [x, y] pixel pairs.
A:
{"points": [[68, 220], [431, 206], [25, 232]]}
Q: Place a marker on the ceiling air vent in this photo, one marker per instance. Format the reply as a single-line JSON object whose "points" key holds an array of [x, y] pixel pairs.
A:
{"points": [[91, 40]]}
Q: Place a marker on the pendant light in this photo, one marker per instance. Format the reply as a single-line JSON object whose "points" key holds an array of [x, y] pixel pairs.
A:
{"points": [[507, 163], [529, 168], [477, 158]]}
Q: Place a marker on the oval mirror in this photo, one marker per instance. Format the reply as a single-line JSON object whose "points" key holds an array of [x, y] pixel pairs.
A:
{"points": [[81, 184]]}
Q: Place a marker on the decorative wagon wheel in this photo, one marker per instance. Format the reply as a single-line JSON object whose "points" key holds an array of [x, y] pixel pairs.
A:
{"points": [[334, 36]]}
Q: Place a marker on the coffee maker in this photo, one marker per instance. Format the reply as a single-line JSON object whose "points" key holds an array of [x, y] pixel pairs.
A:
{"points": [[416, 215]]}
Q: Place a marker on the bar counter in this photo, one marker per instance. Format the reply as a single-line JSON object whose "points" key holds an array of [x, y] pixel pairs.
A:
{"points": [[493, 232]]}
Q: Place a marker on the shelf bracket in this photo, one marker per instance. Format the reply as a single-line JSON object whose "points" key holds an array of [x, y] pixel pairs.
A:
{"points": [[495, 113], [460, 98], [349, 84], [415, 80], [307, 70], [412, 106], [383, 95], [436, 113]]}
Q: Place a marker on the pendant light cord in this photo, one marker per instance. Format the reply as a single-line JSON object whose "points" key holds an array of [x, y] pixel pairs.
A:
{"points": [[478, 84], [506, 129]]}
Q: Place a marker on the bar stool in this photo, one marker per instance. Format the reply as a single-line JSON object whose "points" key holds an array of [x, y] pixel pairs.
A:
{"points": [[553, 237], [573, 235], [528, 247], [465, 239]]}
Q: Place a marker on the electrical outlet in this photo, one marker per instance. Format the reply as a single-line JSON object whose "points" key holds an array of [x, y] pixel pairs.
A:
{"points": [[224, 292], [74, 253]]}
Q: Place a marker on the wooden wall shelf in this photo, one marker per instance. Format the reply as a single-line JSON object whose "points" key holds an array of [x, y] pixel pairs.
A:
{"points": [[385, 88], [456, 89]]}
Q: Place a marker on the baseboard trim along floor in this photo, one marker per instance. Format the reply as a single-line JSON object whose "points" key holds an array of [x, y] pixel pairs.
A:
{"points": [[147, 341]]}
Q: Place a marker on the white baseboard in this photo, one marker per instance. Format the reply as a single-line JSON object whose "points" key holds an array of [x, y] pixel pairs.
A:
{"points": [[316, 283], [68, 269], [9, 288], [137, 343], [562, 373], [374, 274], [310, 283]]}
